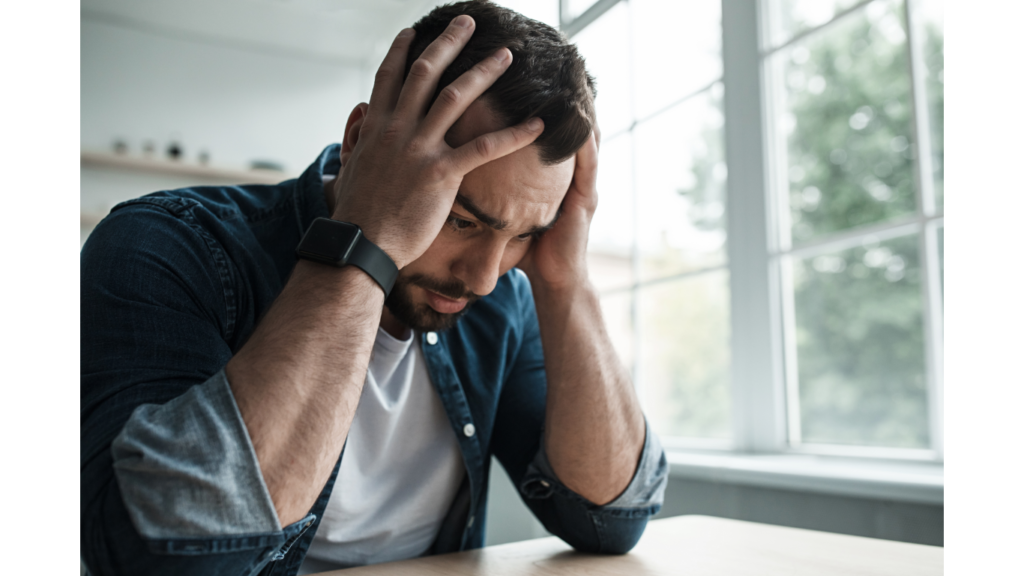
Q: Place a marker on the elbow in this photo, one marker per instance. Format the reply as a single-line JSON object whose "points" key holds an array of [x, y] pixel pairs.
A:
{"points": [[613, 533], [625, 538]]}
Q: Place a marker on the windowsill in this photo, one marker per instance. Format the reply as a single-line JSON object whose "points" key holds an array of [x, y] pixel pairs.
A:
{"points": [[918, 482]]}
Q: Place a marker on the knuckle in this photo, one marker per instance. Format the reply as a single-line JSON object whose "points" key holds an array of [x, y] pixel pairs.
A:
{"points": [[449, 96], [448, 37], [384, 73], [485, 147], [390, 132], [519, 136], [413, 147], [438, 171], [420, 69], [484, 67]]}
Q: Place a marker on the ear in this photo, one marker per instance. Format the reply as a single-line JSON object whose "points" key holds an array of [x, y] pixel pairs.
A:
{"points": [[352, 127]]}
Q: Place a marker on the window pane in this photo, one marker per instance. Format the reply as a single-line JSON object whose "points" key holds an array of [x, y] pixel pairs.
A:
{"points": [[790, 17], [684, 355], [860, 346], [605, 47], [617, 310], [610, 246], [681, 174], [932, 16], [847, 119], [574, 8], [677, 50], [942, 262], [545, 11]]}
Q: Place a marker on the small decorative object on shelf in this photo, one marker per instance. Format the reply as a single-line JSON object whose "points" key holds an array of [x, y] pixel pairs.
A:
{"points": [[266, 165], [148, 148], [120, 146], [204, 157], [109, 160], [174, 151]]}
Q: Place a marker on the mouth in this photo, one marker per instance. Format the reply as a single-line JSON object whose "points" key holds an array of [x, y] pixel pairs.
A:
{"points": [[443, 304]]}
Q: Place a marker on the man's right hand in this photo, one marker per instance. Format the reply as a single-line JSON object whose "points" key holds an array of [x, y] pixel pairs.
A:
{"points": [[401, 178]]}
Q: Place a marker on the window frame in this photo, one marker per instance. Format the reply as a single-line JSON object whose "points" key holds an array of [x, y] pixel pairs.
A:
{"points": [[759, 253], [925, 222]]}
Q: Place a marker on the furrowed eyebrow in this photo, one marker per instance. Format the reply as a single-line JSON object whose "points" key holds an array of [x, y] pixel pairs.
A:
{"points": [[496, 223], [538, 230]]}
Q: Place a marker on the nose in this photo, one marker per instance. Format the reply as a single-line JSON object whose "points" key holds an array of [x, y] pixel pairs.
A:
{"points": [[479, 267]]}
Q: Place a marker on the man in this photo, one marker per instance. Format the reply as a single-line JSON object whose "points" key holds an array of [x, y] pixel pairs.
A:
{"points": [[243, 408]]}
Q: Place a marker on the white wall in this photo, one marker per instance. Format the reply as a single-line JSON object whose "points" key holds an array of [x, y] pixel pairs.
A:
{"points": [[239, 105]]}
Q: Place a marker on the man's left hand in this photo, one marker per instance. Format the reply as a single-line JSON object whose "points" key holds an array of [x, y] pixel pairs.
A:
{"points": [[558, 259]]}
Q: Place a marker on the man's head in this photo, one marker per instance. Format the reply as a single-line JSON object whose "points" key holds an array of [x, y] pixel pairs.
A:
{"points": [[547, 78], [504, 205]]}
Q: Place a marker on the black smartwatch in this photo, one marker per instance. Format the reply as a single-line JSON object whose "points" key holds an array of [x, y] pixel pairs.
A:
{"points": [[341, 244]]}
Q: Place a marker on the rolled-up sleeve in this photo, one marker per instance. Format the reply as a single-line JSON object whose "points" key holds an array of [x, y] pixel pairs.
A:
{"points": [[612, 528], [187, 468], [646, 491], [170, 483]]}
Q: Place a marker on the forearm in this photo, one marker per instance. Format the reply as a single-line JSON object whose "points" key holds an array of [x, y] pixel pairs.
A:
{"points": [[594, 428], [298, 379]]}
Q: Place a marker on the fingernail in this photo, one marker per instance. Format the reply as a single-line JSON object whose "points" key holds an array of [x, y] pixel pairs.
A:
{"points": [[502, 55], [463, 21], [535, 124], [406, 33]]}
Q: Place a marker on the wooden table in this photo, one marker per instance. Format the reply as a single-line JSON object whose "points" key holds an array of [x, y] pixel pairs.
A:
{"points": [[690, 546]]}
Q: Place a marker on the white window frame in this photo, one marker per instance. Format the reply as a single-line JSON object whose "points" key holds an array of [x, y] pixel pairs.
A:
{"points": [[781, 252], [765, 448]]}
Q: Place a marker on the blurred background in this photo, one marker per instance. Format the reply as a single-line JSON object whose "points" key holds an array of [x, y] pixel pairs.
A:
{"points": [[769, 241]]}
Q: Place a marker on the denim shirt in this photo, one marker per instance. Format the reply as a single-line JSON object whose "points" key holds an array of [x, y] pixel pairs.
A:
{"points": [[173, 284]]}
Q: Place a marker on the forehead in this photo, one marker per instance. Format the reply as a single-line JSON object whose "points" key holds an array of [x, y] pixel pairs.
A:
{"points": [[518, 188]]}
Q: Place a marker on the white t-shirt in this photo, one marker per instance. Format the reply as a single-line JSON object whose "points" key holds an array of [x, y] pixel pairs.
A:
{"points": [[401, 469]]}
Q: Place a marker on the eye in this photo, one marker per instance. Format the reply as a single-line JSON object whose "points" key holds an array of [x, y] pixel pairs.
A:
{"points": [[525, 237], [458, 224]]}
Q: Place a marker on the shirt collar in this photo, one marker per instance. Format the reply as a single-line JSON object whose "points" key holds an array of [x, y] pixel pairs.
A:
{"points": [[309, 188]]}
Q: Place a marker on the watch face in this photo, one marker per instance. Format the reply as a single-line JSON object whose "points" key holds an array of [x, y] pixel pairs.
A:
{"points": [[329, 241]]}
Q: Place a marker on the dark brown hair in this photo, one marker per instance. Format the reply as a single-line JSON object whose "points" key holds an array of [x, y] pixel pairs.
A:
{"points": [[547, 77]]}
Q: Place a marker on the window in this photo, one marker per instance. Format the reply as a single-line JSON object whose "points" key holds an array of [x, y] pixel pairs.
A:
{"points": [[769, 261], [658, 253], [854, 109]]}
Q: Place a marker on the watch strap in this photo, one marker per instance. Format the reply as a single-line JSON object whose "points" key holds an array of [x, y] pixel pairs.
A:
{"points": [[338, 244], [371, 259]]}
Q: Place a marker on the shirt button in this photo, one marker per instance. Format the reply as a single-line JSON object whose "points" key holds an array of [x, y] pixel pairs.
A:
{"points": [[470, 523], [469, 430], [431, 338]]}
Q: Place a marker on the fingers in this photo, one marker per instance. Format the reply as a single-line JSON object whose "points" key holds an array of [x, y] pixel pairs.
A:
{"points": [[453, 100], [585, 174], [387, 84], [583, 191], [426, 70], [493, 145]]}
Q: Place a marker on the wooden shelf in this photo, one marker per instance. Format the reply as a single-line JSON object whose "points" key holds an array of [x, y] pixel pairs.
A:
{"points": [[154, 166]]}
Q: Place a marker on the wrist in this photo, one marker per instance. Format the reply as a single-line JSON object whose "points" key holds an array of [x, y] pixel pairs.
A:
{"points": [[564, 289], [336, 281], [340, 244], [375, 232]]}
